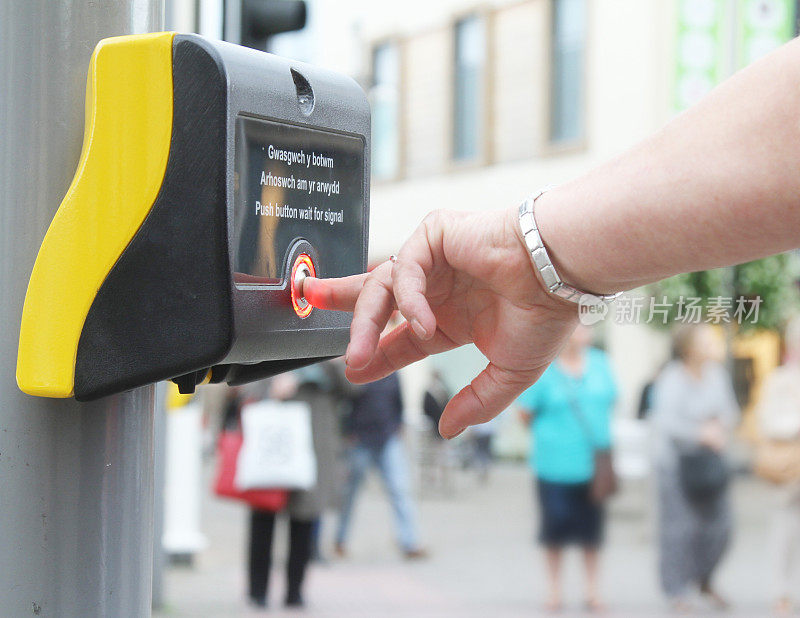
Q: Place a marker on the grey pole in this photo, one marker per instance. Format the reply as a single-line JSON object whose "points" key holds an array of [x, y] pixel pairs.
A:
{"points": [[76, 480], [159, 478]]}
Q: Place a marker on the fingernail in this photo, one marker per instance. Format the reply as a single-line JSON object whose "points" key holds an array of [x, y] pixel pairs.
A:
{"points": [[418, 329], [347, 356], [456, 434]]}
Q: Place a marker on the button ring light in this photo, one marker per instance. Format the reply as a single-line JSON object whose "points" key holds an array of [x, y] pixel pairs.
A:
{"points": [[303, 267]]}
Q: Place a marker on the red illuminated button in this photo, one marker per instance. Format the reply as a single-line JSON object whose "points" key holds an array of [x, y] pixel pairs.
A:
{"points": [[303, 267]]}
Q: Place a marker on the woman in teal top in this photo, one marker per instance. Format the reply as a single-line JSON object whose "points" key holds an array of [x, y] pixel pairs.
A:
{"points": [[569, 412]]}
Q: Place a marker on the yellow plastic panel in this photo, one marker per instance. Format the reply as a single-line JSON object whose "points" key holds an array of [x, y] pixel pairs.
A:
{"points": [[121, 168]]}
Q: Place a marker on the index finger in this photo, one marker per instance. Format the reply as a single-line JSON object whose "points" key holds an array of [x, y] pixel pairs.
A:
{"points": [[334, 294]]}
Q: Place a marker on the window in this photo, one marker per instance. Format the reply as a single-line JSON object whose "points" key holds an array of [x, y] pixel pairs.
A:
{"points": [[568, 71], [385, 96], [468, 112]]}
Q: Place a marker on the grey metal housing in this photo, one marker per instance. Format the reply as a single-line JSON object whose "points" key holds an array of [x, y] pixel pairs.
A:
{"points": [[261, 84]]}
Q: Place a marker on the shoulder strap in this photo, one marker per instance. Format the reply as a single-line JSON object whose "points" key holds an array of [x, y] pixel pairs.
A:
{"points": [[575, 408]]}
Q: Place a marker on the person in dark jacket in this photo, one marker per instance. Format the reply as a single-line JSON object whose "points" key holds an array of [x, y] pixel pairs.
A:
{"points": [[372, 430], [434, 401]]}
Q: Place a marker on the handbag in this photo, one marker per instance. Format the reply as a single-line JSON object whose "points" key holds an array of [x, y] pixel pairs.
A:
{"points": [[604, 483], [278, 448], [703, 474], [778, 461], [228, 447]]}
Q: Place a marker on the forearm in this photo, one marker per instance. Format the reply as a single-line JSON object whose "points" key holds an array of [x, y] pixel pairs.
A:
{"points": [[719, 185]]}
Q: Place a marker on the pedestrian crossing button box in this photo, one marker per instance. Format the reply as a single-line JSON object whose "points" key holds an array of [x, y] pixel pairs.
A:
{"points": [[213, 179]]}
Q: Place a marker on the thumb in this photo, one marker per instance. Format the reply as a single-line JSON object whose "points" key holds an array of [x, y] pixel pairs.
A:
{"points": [[493, 390]]}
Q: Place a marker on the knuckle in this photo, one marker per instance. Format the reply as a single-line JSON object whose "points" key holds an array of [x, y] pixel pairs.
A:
{"points": [[434, 218], [384, 273], [378, 277]]}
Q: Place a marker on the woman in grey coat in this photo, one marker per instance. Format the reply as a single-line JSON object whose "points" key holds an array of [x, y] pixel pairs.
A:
{"points": [[694, 411], [322, 387]]}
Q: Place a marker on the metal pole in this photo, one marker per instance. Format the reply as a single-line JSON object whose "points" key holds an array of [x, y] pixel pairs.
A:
{"points": [[76, 480], [159, 474]]}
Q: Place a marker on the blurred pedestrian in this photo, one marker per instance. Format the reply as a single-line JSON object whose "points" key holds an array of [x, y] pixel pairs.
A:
{"points": [[436, 457], [646, 396], [694, 412], [435, 399], [320, 387], [481, 437], [372, 433], [778, 460], [569, 412]]}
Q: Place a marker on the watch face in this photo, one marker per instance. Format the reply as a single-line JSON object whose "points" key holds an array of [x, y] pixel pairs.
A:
{"points": [[293, 183]]}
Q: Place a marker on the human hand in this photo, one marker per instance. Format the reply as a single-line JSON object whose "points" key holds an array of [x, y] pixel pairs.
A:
{"points": [[460, 278]]}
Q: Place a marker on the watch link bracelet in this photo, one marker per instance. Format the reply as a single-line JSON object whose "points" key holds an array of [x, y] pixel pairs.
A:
{"points": [[541, 259]]}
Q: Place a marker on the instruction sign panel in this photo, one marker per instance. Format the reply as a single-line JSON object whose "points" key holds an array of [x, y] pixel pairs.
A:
{"points": [[295, 182]]}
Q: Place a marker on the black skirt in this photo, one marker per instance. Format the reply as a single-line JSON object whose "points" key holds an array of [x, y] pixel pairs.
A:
{"points": [[568, 515]]}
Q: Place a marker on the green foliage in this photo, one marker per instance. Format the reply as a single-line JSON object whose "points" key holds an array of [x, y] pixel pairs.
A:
{"points": [[773, 279]]}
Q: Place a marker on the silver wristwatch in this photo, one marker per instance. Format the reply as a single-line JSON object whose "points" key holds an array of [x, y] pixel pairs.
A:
{"points": [[542, 262]]}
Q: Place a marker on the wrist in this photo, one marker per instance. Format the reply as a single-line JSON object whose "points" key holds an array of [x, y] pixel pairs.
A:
{"points": [[541, 292], [571, 257]]}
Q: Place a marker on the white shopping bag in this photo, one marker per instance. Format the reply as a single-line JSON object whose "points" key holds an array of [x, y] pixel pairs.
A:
{"points": [[278, 447]]}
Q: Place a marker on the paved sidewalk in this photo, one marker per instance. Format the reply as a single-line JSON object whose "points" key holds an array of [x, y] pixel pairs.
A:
{"points": [[482, 563]]}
